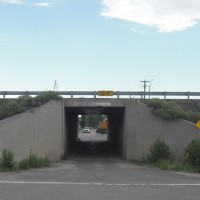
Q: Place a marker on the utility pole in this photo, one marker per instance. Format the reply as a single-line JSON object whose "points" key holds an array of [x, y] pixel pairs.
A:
{"points": [[86, 121], [150, 87], [145, 85], [55, 86]]}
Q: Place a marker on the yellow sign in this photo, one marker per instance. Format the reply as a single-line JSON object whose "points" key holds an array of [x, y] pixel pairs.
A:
{"points": [[198, 124], [105, 93], [103, 125]]}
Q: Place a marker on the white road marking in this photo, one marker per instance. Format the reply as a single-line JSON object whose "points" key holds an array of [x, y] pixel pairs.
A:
{"points": [[100, 184]]}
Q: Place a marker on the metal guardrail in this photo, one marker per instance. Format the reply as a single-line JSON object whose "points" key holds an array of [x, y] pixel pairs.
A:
{"points": [[132, 94]]}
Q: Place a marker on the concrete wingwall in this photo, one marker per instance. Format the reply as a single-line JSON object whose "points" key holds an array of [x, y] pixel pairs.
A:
{"points": [[143, 128], [39, 129]]}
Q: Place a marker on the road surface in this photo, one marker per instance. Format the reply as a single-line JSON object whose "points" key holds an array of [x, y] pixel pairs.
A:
{"points": [[98, 179]]}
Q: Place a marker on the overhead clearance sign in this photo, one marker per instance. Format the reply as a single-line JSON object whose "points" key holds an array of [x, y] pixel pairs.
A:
{"points": [[105, 93]]}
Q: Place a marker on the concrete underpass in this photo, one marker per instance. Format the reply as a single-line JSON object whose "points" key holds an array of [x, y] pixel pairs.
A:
{"points": [[52, 129], [111, 145]]}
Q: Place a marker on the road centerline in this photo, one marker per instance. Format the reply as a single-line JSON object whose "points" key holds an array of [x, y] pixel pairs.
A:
{"points": [[98, 183]]}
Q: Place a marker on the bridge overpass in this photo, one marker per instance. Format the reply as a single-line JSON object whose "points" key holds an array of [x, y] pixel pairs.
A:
{"points": [[52, 128]]}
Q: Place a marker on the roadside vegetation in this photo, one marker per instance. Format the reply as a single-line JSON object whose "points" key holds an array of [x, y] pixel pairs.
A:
{"points": [[170, 110], [8, 163], [13, 107], [159, 156]]}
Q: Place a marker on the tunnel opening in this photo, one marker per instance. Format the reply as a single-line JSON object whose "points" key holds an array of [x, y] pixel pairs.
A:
{"points": [[96, 143], [92, 128]]}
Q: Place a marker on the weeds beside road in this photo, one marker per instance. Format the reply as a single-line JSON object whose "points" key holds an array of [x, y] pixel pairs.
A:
{"points": [[8, 163]]}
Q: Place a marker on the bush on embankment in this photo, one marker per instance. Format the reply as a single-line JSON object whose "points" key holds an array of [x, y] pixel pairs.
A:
{"points": [[23, 103], [170, 110]]}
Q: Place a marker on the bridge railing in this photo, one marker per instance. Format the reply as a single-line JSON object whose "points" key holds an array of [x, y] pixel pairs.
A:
{"points": [[116, 94]]}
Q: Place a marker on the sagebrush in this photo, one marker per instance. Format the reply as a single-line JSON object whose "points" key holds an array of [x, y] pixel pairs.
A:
{"points": [[159, 150], [7, 160], [24, 103], [192, 153], [170, 110]]}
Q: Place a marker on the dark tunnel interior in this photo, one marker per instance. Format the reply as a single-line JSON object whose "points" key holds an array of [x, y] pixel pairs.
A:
{"points": [[111, 145]]}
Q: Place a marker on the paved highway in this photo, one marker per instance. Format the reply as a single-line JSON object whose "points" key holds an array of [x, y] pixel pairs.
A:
{"points": [[100, 178]]}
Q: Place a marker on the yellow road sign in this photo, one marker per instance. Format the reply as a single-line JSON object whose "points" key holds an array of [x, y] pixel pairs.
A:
{"points": [[105, 93], [103, 125], [198, 124]]}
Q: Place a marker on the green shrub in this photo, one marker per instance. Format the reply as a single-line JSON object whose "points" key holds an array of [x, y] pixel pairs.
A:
{"points": [[192, 116], [159, 150], [7, 162], [24, 164], [186, 167], [34, 161], [175, 166], [46, 161], [169, 110], [192, 153], [37, 162], [159, 103], [7, 159], [45, 97], [24, 103], [154, 103], [163, 164], [9, 109], [170, 113]]}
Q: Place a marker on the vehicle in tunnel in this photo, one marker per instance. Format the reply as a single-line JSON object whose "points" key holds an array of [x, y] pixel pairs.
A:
{"points": [[103, 126], [86, 130], [102, 131]]}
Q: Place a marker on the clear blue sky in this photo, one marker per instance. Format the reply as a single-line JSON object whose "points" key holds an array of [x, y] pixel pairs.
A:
{"points": [[100, 44]]}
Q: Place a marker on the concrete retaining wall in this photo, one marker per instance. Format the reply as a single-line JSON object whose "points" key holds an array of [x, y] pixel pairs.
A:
{"points": [[39, 129], [143, 128]]}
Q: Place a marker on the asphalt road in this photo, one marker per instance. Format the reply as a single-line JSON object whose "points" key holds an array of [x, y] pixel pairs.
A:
{"points": [[92, 136], [100, 178]]}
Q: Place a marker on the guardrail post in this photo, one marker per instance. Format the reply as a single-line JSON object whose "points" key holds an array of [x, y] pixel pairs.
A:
{"points": [[94, 95], [188, 95], [165, 96], [118, 94], [4, 94], [71, 95]]}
